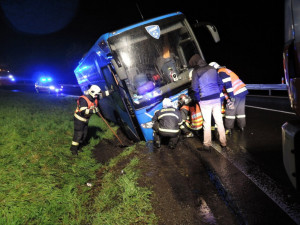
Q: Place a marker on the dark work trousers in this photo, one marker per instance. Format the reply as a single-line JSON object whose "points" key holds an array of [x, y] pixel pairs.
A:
{"points": [[80, 133], [173, 137], [184, 128], [238, 114]]}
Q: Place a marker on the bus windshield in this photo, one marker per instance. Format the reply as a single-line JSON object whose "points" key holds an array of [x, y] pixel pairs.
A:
{"points": [[155, 57]]}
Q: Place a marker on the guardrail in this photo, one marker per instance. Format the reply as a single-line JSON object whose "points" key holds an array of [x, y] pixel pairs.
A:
{"points": [[268, 87]]}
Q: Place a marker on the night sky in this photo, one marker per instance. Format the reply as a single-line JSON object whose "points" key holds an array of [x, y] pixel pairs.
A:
{"points": [[51, 36]]}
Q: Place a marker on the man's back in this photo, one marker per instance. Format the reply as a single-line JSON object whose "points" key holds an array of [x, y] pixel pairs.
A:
{"points": [[169, 118], [205, 81]]}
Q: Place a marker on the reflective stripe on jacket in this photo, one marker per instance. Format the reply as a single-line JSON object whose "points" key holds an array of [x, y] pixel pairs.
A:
{"points": [[194, 120], [233, 85], [168, 119]]}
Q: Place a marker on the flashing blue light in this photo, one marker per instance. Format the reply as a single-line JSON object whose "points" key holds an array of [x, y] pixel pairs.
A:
{"points": [[45, 79]]}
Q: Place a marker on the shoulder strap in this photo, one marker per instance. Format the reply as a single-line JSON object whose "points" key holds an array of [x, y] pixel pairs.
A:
{"points": [[87, 100]]}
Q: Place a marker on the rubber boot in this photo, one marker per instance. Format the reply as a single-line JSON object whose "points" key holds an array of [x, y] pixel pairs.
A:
{"points": [[74, 150]]}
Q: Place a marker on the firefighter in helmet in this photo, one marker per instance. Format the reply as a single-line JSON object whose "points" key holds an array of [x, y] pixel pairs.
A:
{"points": [[191, 115], [87, 105]]}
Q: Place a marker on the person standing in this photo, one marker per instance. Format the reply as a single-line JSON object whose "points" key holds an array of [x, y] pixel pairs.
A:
{"points": [[87, 105], [166, 123], [237, 91], [207, 87]]}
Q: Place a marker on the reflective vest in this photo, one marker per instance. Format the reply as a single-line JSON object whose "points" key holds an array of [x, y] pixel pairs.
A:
{"points": [[194, 120], [238, 86], [88, 107]]}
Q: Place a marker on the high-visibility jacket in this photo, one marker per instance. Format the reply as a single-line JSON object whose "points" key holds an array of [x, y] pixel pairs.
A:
{"points": [[85, 108], [194, 120], [232, 83]]}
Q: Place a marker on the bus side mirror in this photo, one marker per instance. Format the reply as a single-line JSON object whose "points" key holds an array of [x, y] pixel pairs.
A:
{"points": [[211, 28], [120, 70], [214, 32]]}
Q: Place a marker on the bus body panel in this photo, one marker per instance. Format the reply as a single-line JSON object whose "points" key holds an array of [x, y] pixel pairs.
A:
{"points": [[145, 115], [139, 65], [94, 70]]}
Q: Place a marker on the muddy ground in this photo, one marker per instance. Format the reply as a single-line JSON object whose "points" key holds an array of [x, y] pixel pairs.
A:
{"points": [[183, 192]]}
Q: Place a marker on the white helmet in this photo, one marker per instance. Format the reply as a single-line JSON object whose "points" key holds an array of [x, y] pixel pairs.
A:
{"points": [[215, 65], [94, 91], [167, 103]]}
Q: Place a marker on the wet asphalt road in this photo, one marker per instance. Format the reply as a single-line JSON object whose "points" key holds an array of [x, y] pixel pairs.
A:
{"points": [[256, 155]]}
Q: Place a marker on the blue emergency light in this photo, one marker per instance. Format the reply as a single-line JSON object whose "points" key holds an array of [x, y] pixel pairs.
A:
{"points": [[45, 79]]}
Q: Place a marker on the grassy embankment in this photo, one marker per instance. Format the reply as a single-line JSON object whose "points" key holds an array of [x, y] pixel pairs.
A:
{"points": [[42, 183]]}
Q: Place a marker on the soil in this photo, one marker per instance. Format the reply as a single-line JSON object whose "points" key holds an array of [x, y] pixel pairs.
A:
{"points": [[182, 190]]}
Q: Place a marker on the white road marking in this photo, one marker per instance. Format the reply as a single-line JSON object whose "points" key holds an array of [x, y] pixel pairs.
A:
{"points": [[262, 181], [274, 110]]}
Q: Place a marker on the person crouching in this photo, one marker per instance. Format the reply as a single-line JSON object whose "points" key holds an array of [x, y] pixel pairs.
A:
{"points": [[166, 123]]}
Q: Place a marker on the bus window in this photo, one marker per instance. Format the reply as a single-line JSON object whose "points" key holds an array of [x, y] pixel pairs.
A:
{"points": [[155, 67], [89, 72]]}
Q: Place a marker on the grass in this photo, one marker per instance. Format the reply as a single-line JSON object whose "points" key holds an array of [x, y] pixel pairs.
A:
{"points": [[42, 183]]}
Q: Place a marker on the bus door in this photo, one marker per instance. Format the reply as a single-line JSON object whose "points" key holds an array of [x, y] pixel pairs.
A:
{"points": [[123, 109]]}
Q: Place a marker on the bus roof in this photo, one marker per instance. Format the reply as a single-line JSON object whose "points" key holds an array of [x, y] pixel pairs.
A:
{"points": [[105, 36], [142, 23]]}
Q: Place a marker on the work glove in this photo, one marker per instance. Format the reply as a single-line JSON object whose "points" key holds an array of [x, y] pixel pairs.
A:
{"points": [[96, 110], [230, 104]]}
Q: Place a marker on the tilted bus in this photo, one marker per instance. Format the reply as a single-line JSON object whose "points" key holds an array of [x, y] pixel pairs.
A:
{"points": [[140, 65]]}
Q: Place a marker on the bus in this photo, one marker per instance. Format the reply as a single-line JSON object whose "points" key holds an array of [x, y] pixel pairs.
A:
{"points": [[139, 66], [291, 64]]}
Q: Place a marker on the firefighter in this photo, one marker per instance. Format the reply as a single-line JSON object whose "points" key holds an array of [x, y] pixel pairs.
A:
{"points": [[87, 105], [191, 115], [237, 91], [166, 123]]}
